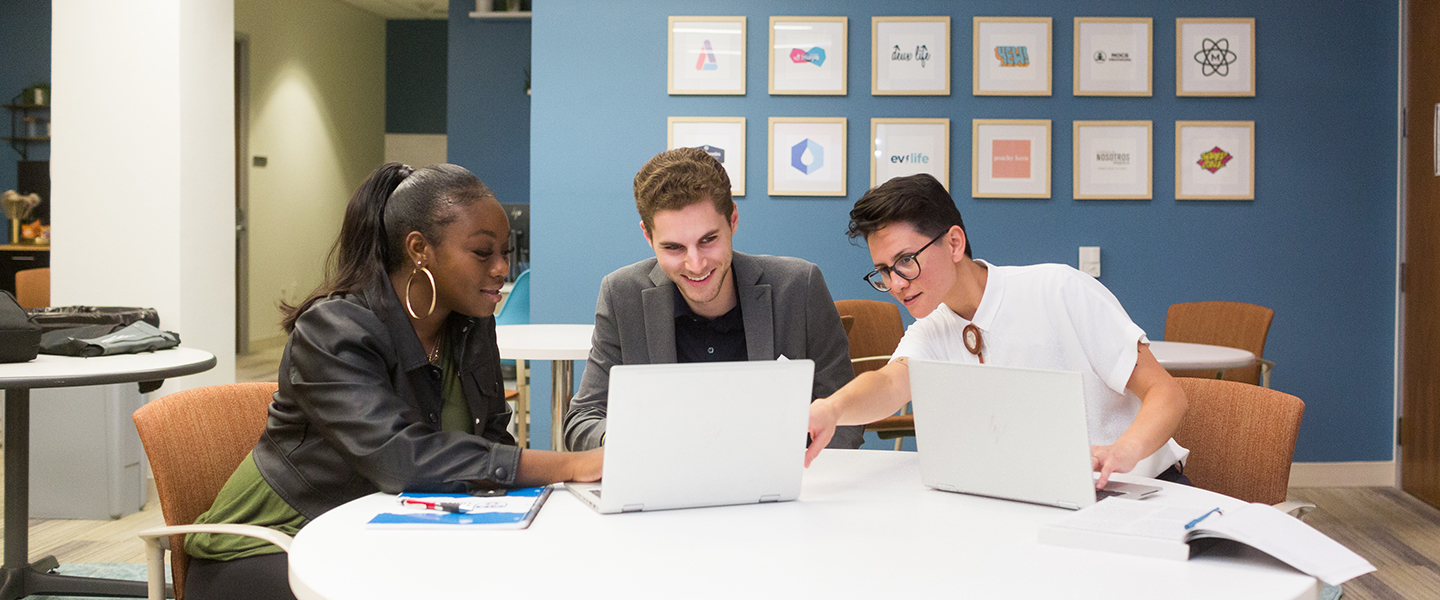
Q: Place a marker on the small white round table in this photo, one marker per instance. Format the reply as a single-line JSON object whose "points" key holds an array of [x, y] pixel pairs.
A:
{"points": [[559, 344], [863, 527], [1183, 356], [17, 379]]}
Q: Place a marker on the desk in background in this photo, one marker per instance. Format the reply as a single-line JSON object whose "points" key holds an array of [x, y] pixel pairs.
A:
{"points": [[17, 379], [559, 344], [1185, 356], [864, 527]]}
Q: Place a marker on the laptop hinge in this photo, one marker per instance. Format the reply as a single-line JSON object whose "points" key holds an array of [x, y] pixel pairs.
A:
{"points": [[632, 508], [1069, 505], [770, 498]]}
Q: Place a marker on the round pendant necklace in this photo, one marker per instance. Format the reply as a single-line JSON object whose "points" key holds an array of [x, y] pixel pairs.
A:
{"points": [[974, 342]]}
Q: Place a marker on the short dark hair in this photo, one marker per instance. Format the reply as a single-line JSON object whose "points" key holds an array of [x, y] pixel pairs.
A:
{"points": [[677, 178], [919, 200]]}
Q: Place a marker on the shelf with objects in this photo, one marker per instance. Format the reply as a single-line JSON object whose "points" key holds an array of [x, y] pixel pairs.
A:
{"points": [[25, 239], [29, 119]]}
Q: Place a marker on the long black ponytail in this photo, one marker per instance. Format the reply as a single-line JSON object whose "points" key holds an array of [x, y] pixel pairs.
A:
{"points": [[394, 201]]}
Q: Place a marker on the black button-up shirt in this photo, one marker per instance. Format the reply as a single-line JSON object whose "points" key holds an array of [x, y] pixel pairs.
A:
{"points": [[698, 339]]}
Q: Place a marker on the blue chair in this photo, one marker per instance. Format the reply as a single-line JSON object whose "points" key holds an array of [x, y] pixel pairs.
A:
{"points": [[516, 311]]}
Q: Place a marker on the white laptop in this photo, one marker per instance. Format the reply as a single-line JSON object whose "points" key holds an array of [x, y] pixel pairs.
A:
{"points": [[1017, 434], [702, 434]]}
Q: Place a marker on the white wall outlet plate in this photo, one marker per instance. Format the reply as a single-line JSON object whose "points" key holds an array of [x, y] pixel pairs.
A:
{"points": [[1090, 260]]}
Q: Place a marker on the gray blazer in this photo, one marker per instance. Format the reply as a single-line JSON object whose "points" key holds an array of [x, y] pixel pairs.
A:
{"points": [[786, 307]]}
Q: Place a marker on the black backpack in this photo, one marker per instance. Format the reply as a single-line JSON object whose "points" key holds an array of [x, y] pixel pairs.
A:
{"points": [[19, 335]]}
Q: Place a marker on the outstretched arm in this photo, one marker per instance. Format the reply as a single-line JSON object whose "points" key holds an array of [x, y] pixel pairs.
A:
{"points": [[869, 397], [1162, 406]]}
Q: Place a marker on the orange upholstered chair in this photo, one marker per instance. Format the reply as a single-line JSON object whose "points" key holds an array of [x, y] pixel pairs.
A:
{"points": [[1241, 438], [875, 332], [1233, 324], [32, 288], [195, 439]]}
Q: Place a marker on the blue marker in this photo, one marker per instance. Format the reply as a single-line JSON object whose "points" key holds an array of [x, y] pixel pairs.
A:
{"points": [[1202, 518]]}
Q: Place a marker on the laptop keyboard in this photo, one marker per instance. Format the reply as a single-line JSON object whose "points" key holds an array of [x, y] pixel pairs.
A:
{"points": [[1102, 494]]}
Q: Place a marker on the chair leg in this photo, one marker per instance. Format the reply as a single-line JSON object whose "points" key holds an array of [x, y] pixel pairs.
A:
{"points": [[904, 410], [155, 568], [523, 403]]}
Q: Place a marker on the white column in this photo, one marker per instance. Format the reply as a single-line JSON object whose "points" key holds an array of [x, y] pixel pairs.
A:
{"points": [[142, 165]]}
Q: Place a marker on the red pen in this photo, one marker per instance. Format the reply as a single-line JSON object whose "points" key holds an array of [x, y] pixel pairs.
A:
{"points": [[451, 507]]}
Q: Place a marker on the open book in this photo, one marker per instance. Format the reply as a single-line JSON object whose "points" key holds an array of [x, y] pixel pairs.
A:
{"points": [[514, 510], [1148, 528]]}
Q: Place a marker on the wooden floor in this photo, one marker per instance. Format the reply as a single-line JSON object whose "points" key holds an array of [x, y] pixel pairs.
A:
{"points": [[1397, 533]]}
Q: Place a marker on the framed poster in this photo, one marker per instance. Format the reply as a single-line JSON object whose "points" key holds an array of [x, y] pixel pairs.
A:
{"points": [[1010, 158], [910, 56], [720, 137], [1215, 160], [707, 55], [807, 156], [900, 147], [1011, 56], [1113, 160], [809, 55], [1113, 56], [1214, 57]]}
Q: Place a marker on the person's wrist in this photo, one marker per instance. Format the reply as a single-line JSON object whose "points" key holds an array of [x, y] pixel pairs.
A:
{"points": [[829, 410]]}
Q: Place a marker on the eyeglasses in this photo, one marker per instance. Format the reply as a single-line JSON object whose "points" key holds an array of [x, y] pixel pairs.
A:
{"points": [[907, 266]]}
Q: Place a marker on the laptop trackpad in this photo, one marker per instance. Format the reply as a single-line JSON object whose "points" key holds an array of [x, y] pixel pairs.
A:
{"points": [[1125, 490]]}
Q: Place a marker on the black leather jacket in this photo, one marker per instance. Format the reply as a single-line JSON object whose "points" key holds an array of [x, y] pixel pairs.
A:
{"points": [[358, 410]]}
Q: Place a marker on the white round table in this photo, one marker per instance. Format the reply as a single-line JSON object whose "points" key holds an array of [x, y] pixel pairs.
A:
{"points": [[559, 344], [863, 527], [1185, 355], [17, 379]]}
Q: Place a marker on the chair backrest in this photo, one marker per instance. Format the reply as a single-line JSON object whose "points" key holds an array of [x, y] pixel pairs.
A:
{"points": [[195, 439], [516, 310], [32, 288], [876, 332], [1233, 324], [1241, 438]]}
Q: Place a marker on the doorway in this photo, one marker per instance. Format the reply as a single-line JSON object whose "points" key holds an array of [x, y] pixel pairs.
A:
{"points": [[1419, 429]]}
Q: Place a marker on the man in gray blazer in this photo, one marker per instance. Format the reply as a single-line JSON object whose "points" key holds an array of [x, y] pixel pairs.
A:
{"points": [[698, 300]]}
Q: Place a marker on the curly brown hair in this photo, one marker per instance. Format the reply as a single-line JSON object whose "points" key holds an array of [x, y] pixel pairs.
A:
{"points": [[677, 178]]}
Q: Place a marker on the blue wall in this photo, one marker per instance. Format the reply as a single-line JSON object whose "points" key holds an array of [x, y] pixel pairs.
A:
{"points": [[1317, 244], [24, 60], [488, 121], [416, 53]]}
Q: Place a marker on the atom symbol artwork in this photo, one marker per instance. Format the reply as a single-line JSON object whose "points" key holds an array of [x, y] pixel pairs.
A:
{"points": [[1215, 57]]}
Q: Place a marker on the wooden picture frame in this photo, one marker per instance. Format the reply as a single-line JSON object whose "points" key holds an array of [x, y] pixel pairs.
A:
{"points": [[1012, 56], [1017, 158], [708, 58], [809, 56], [721, 137], [1206, 149], [910, 56], [900, 147], [1215, 57], [807, 156], [1113, 160], [1114, 56]]}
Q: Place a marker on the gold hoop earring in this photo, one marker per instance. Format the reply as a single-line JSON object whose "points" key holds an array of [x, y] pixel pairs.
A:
{"points": [[433, 292]]}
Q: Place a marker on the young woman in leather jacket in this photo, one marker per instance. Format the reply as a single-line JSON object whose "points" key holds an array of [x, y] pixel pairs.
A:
{"points": [[390, 381]]}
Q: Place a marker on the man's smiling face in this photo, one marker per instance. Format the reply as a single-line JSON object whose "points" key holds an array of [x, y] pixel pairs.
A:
{"points": [[693, 245]]}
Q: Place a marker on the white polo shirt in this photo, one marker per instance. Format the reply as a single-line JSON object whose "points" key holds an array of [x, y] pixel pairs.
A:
{"points": [[1051, 316]]}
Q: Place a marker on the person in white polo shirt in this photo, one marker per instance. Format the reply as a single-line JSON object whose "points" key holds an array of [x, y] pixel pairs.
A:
{"points": [[1045, 316]]}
